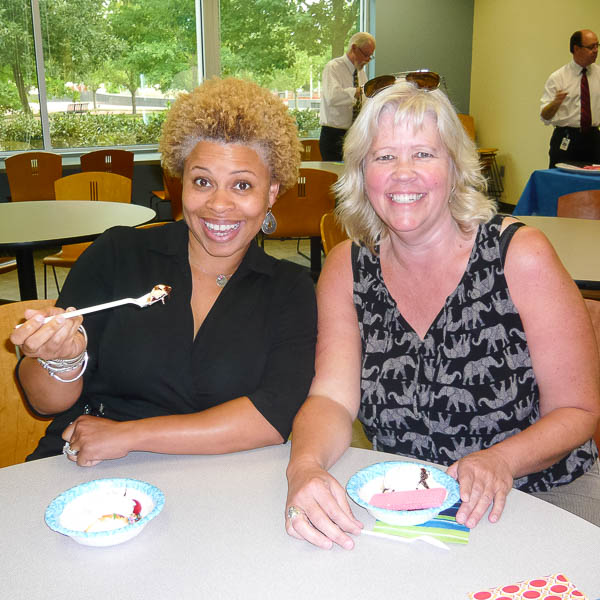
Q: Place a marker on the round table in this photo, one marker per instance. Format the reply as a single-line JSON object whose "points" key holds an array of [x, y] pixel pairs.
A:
{"points": [[25, 226], [577, 243], [221, 536]]}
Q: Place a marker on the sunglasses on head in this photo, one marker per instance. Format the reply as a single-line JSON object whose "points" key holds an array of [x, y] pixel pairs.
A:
{"points": [[423, 79]]}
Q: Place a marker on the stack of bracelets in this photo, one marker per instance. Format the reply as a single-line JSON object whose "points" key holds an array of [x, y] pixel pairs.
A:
{"points": [[62, 365]]}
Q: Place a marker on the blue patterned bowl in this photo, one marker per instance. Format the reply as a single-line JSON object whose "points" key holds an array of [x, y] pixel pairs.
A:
{"points": [[104, 512], [363, 484]]}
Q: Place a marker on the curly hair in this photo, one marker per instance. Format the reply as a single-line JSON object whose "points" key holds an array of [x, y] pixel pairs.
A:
{"points": [[468, 203], [233, 111]]}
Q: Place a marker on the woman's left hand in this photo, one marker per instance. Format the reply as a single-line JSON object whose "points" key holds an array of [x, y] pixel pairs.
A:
{"points": [[485, 478], [95, 439]]}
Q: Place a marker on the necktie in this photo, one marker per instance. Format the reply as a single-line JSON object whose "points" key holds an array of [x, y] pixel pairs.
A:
{"points": [[358, 102], [586, 110]]}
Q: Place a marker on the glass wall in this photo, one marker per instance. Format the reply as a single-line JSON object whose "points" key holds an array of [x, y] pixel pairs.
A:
{"points": [[284, 45], [110, 68], [20, 127]]}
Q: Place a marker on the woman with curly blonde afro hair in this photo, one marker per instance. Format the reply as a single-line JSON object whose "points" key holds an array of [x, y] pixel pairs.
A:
{"points": [[233, 111], [225, 364]]}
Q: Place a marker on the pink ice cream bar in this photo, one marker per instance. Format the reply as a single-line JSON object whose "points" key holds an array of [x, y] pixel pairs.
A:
{"points": [[409, 499]]}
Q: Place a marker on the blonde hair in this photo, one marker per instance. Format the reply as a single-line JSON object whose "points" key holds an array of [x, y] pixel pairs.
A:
{"points": [[233, 111], [469, 205]]}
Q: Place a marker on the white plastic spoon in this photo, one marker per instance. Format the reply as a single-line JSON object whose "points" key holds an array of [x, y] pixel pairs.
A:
{"points": [[158, 293]]}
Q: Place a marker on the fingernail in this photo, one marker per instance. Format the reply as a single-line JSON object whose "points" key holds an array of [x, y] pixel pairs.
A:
{"points": [[39, 318]]}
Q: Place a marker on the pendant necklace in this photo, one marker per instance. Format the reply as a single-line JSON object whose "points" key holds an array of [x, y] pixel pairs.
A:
{"points": [[221, 279]]}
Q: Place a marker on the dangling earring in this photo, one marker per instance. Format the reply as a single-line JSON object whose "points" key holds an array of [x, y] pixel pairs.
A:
{"points": [[269, 224]]}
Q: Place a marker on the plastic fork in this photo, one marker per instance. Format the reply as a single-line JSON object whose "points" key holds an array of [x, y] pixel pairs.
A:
{"points": [[158, 293]]}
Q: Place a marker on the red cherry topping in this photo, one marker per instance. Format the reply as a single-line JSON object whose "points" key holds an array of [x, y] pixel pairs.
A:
{"points": [[137, 509]]}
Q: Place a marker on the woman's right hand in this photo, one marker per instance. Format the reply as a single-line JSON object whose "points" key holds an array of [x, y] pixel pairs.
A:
{"points": [[326, 516], [56, 339]]}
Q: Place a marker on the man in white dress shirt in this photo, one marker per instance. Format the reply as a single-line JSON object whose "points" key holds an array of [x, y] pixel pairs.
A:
{"points": [[571, 103], [341, 93]]}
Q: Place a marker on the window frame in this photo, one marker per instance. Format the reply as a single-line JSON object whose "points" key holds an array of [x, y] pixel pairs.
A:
{"points": [[207, 17]]}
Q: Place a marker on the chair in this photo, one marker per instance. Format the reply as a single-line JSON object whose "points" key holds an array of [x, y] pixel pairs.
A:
{"points": [[152, 224], [310, 150], [491, 171], [21, 430], [580, 205], [331, 232], [92, 185], [172, 192], [109, 161], [31, 175], [468, 123], [359, 439], [299, 210], [593, 307], [7, 264]]}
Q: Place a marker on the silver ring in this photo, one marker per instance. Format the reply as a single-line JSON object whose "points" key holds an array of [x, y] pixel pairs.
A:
{"points": [[293, 512], [68, 450]]}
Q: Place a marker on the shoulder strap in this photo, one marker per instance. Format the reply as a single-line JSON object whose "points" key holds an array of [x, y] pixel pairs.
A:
{"points": [[505, 238]]}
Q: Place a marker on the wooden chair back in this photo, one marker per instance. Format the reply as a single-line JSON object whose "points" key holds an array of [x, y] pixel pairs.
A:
{"points": [[21, 429], [152, 224], [299, 210], [94, 185], [109, 160], [174, 194], [310, 150], [580, 205], [468, 123], [31, 175], [331, 232], [7, 264]]}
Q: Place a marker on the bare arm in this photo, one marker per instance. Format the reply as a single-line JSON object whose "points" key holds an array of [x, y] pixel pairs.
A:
{"points": [[563, 352], [323, 427], [565, 361], [550, 109], [230, 427], [56, 339]]}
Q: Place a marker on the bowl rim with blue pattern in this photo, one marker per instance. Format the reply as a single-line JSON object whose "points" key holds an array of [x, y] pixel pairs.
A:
{"points": [[103, 538], [401, 517]]}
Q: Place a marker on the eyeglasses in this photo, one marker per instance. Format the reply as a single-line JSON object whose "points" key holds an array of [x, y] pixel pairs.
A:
{"points": [[591, 46], [423, 79], [367, 56]]}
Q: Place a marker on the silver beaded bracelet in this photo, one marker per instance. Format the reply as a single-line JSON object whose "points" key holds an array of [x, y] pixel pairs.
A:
{"points": [[63, 365]]}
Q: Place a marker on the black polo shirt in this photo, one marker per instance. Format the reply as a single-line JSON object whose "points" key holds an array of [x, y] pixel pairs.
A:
{"points": [[258, 339]]}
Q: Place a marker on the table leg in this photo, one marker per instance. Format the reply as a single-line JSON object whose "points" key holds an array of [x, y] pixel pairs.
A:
{"points": [[26, 274], [315, 254]]}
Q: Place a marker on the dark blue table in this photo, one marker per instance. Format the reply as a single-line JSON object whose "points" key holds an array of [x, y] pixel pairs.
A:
{"points": [[540, 196]]}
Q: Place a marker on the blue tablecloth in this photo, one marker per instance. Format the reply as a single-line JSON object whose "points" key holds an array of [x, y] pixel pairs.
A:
{"points": [[540, 196]]}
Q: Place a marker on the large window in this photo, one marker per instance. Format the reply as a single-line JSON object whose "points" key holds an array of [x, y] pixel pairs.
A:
{"points": [[88, 73]]}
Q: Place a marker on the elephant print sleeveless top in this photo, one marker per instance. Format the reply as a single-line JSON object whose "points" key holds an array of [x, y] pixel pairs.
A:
{"points": [[468, 384]]}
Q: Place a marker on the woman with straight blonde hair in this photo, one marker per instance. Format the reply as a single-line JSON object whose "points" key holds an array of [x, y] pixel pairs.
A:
{"points": [[454, 335]]}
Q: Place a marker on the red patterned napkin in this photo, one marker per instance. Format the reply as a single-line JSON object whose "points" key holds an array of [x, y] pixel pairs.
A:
{"points": [[552, 587]]}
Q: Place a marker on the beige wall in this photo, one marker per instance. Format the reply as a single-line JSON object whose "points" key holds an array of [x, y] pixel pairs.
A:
{"points": [[516, 45]]}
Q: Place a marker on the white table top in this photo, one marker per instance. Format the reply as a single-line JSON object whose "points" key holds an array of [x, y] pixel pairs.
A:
{"points": [[576, 241], [54, 221], [221, 536]]}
